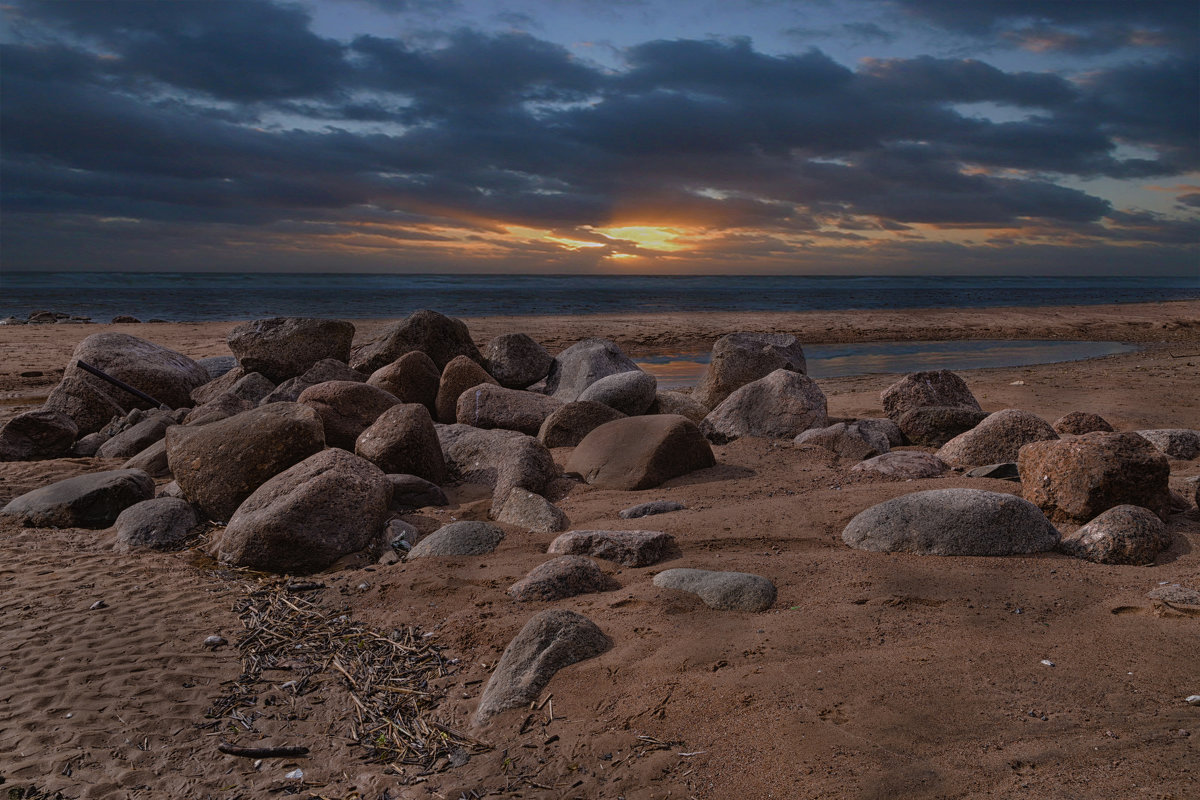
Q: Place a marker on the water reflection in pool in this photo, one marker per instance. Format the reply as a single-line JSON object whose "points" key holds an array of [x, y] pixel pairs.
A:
{"points": [[674, 370]]}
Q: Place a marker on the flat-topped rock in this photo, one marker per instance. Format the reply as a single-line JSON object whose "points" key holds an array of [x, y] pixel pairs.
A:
{"points": [[85, 501], [650, 509], [724, 591], [905, 464], [161, 523], [1121, 535], [627, 548], [931, 388], [782, 405], [489, 406], [640, 452], [742, 358], [465, 538], [952, 522], [284, 347]]}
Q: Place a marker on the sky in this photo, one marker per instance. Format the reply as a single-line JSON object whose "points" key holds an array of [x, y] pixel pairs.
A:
{"points": [[990, 137]]}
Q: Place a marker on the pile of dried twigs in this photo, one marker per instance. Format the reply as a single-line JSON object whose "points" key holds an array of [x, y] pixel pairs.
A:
{"points": [[387, 676]]}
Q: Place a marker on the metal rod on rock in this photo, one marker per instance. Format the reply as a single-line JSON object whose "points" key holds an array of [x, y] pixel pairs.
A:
{"points": [[120, 384]]}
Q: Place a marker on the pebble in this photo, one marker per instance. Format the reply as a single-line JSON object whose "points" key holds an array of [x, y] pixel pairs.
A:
{"points": [[1047, 662], [1193, 700], [97, 605], [296, 775], [215, 641]]}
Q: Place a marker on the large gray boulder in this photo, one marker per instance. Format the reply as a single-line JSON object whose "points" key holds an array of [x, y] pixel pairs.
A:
{"points": [[550, 640], [224, 405], [782, 405], [742, 358], [1121, 535], [439, 337], [85, 501], [933, 388], [152, 460], [253, 387], [569, 423], [558, 578], [933, 426], [167, 376], [459, 375], [724, 591], [632, 393], [998, 438], [37, 434], [584, 363], [627, 548], [465, 538], [952, 522], [516, 361], [530, 511], [220, 464], [162, 523], [325, 370], [284, 347], [489, 406], [1182, 443], [346, 409], [640, 452], [217, 386], [497, 458], [308, 516], [131, 441], [403, 440], [412, 378]]}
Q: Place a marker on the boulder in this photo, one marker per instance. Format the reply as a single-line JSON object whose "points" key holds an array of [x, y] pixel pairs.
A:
{"points": [[516, 361], [325, 370], [565, 576], [631, 393], [849, 441], [1122, 535], [412, 378], [905, 464], [742, 358], [217, 386], [331, 504], [252, 387], [584, 363], [782, 405], [284, 347], [550, 640], [152, 460], [404, 440], [569, 423], [1080, 422], [650, 509], [85, 501], [411, 491], [530, 511], [466, 538], [346, 409], [1180, 443], [163, 374], [131, 441], [459, 375], [222, 406], [918, 389], [170, 490], [220, 464], [1074, 480], [933, 426], [627, 548], [724, 591], [678, 403], [216, 366], [86, 446], [441, 338], [640, 452], [884, 427], [37, 434], [487, 405], [496, 458], [952, 522], [162, 523], [999, 437]]}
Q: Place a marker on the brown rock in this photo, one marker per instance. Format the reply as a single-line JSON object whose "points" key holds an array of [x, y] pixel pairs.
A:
{"points": [[93, 500], [678, 403], [325, 370], [530, 511], [569, 423], [782, 405], [346, 409], [627, 548], [218, 386], [905, 464], [917, 389], [459, 375], [152, 460], [1080, 422], [134, 440], [640, 452], [412, 378], [438, 336], [565, 576], [933, 426], [403, 440], [220, 407], [1123, 534], [497, 458], [516, 361], [37, 434], [998, 438], [489, 406], [1075, 480], [284, 347], [742, 358]]}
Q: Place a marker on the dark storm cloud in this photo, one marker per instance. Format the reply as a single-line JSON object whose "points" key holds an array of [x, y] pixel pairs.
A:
{"points": [[236, 114]]}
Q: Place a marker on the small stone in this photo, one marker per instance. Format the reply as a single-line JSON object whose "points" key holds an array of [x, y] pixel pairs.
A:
{"points": [[651, 508], [565, 576], [99, 604], [724, 591], [627, 548], [1046, 662], [1192, 700], [215, 641]]}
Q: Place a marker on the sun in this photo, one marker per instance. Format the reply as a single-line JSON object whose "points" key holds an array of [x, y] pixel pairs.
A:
{"points": [[646, 237]]}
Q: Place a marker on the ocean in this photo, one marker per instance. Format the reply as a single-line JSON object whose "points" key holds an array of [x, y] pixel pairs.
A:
{"points": [[192, 297]]}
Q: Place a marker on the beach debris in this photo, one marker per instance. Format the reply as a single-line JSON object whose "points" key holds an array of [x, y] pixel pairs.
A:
{"points": [[630, 392], [220, 464], [569, 423], [1181, 443], [851, 442], [516, 361], [640, 452], [465, 538], [489, 406], [96, 606], [952, 522], [998, 437], [744, 357], [1045, 662], [1080, 422], [402, 440], [627, 548], [530, 511], [1075, 480], [457, 377], [346, 409], [215, 640], [439, 337], [781, 405], [266, 752], [1123, 534], [906, 464], [565, 576], [37, 434], [412, 378], [296, 775], [303, 519], [1192, 700], [931, 388], [94, 500], [1017, 383], [549, 641], [933, 426], [325, 370], [724, 591], [284, 347], [650, 509], [161, 523]]}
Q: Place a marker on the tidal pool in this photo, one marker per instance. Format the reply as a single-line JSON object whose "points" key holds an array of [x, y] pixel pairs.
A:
{"points": [[674, 370]]}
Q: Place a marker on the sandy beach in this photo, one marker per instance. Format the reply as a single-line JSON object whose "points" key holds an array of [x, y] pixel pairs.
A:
{"points": [[872, 676]]}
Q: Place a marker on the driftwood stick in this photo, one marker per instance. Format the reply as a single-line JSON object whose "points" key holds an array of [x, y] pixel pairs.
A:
{"points": [[120, 384], [262, 752]]}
